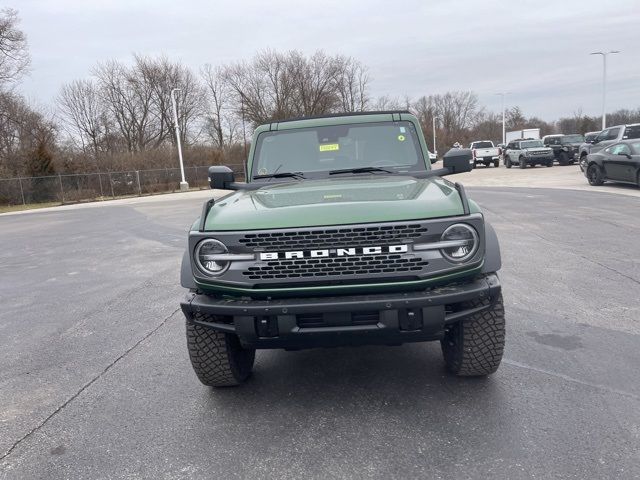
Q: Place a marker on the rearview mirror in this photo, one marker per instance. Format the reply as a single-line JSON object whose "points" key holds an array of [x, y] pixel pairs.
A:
{"points": [[458, 160], [220, 177]]}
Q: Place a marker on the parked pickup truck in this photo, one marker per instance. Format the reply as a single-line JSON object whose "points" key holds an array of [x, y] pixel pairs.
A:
{"points": [[484, 152], [343, 234]]}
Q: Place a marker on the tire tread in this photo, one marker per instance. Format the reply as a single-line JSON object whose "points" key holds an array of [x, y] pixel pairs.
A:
{"points": [[217, 358], [474, 347]]}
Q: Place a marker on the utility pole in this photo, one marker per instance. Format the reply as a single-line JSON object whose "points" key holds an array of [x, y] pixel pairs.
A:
{"points": [[504, 125], [244, 138], [604, 84], [435, 149], [184, 186]]}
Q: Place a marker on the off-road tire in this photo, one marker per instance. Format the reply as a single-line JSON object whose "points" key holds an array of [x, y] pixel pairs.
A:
{"points": [[474, 346], [563, 159], [496, 164], [594, 175], [550, 163], [522, 162], [507, 162], [218, 358]]}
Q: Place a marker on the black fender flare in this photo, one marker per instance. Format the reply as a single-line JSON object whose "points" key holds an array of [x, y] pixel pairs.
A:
{"points": [[492, 257], [186, 274]]}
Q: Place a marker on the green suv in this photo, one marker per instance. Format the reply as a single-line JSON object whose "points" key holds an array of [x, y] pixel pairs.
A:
{"points": [[343, 234]]}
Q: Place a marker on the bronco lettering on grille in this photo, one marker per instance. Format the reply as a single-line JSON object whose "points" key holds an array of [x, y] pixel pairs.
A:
{"points": [[334, 252]]}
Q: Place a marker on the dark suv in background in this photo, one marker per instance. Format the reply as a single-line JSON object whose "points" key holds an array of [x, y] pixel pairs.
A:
{"points": [[565, 147]]}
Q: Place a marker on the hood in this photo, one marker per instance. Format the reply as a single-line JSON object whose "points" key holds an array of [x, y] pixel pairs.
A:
{"points": [[335, 201]]}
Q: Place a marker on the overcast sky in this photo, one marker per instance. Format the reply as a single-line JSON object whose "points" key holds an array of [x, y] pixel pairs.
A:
{"points": [[538, 50]]}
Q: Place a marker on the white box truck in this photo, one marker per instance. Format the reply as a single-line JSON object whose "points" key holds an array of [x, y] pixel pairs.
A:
{"points": [[533, 133]]}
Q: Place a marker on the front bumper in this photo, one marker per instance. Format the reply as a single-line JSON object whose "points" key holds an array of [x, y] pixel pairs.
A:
{"points": [[539, 159], [487, 159], [393, 318]]}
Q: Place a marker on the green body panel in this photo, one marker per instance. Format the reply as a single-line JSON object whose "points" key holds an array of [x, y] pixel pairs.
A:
{"points": [[473, 206], [371, 288], [339, 200], [336, 201]]}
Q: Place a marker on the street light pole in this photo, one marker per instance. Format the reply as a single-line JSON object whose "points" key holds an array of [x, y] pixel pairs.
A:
{"points": [[604, 84], [504, 129], [184, 186], [435, 150]]}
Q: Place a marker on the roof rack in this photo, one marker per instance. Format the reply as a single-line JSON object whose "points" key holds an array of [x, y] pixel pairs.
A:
{"points": [[343, 114]]}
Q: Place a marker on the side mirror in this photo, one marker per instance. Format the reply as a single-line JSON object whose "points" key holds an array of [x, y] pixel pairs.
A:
{"points": [[221, 177], [458, 160]]}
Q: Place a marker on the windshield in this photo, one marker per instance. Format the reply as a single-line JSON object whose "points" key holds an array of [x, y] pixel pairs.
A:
{"points": [[572, 139], [590, 137], [531, 144], [482, 145], [315, 151], [632, 131]]}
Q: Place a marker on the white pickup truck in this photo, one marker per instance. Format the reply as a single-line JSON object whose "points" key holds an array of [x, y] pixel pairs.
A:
{"points": [[485, 152]]}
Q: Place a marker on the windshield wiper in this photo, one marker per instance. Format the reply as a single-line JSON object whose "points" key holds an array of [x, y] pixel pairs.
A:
{"points": [[359, 170], [280, 175]]}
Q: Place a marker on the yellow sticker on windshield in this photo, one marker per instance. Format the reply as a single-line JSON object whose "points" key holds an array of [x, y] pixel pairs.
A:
{"points": [[329, 147], [401, 138]]}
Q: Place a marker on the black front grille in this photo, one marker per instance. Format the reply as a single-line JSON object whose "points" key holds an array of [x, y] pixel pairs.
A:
{"points": [[314, 239], [334, 266], [341, 319]]}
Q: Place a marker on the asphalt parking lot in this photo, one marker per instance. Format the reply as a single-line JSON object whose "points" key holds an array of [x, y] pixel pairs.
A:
{"points": [[95, 381]]}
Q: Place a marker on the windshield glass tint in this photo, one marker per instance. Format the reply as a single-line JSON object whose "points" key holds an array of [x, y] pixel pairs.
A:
{"points": [[318, 150], [573, 139], [632, 131], [531, 144], [482, 145]]}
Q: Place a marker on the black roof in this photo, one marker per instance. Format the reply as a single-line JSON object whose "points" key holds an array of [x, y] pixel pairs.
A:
{"points": [[343, 114]]}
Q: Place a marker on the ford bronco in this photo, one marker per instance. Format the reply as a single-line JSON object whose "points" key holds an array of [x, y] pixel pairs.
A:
{"points": [[528, 152], [342, 234]]}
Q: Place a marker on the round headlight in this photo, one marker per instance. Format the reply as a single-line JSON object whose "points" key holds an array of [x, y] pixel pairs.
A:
{"points": [[464, 242], [205, 257]]}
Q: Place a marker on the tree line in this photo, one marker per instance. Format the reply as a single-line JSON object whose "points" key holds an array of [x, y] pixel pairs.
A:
{"points": [[120, 116]]}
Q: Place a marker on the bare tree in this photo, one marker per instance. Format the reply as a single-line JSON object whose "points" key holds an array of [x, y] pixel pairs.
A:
{"points": [[128, 101], [84, 112], [160, 76], [353, 83], [14, 53], [457, 113], [22, 130], [276, 85], [139, 99], [385, 102], [221, 121]]}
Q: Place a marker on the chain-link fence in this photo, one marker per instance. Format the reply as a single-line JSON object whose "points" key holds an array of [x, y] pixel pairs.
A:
{"points": [[70, 188]]}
